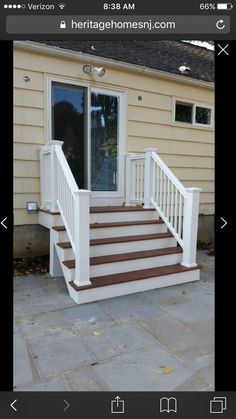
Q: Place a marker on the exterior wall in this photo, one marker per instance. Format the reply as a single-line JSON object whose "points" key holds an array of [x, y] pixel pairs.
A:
{"points": [[188, 151]]}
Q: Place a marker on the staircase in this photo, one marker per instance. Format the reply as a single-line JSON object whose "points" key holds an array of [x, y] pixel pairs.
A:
{"points": [[105, 252]]}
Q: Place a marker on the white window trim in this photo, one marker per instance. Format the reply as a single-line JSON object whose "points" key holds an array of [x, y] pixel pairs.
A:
{"points": [[192, 124]]}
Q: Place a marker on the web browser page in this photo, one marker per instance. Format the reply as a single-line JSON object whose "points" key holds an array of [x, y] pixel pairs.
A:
{"points": [[117, 266]]}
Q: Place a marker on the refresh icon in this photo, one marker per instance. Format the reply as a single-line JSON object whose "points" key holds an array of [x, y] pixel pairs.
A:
{"points": [[220, 24]]}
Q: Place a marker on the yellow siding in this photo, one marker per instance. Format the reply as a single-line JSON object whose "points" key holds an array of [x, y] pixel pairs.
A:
{"points": [[188, 151]]}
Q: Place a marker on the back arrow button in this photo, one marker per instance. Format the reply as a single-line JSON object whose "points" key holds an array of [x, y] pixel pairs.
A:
{"points": [[3, 221], [12, 405]]}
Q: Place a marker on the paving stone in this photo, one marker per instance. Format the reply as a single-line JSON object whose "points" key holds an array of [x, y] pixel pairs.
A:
{"points": [[154, 326], [193, 343], [22, 364], [57, 354], [194, 383], [129, 307], [54, 384], [116, 340], [88, 317], [144, 371], [207, 374], [44, 324], [40, 294], [193, 312], [15, 326], [85, 379]]}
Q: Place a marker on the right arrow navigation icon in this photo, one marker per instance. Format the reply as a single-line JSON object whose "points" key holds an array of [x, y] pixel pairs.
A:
{"points": [[225, 222], [67, 405]]}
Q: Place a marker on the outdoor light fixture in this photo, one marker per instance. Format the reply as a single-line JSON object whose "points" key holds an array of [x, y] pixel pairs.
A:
{"points": [[32, 207], [98, 71], [26, 79]]}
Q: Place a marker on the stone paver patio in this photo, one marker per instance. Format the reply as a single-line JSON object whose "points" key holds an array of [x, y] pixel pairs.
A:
{"points": [[159, 340]]}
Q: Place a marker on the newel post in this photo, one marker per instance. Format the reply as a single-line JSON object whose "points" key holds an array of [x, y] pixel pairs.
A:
{"points": [[148, 176], [190, 226], [53, 174], [81, 237]]}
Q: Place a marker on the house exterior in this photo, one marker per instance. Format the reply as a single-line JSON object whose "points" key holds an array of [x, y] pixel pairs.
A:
{"points": [[143, 79], [114, 152]]}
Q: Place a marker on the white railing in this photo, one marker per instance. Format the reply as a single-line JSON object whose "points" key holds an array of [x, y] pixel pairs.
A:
{"points": [[152, 183], [72, 203], [135, 166]]}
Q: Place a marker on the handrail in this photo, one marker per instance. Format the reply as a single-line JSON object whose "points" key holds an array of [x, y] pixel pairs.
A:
{"points": [[169, 173], [162, 190], [72, 203]]}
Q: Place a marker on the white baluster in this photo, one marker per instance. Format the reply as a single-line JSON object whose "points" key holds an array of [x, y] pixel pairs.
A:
{"points": [[128, 181]]}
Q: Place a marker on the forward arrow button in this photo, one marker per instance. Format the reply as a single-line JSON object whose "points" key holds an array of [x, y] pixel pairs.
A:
{"points": [[225, 222], [67, 405]]}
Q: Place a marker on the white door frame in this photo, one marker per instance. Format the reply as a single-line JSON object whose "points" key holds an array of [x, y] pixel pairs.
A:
{"points": [[121, 97]]}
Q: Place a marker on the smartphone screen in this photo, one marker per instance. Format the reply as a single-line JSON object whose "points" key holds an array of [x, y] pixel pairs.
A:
{"points": [[117, 267]]}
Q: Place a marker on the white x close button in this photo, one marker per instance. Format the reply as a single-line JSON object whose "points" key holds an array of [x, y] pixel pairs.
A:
{"points": [[223, 49]]}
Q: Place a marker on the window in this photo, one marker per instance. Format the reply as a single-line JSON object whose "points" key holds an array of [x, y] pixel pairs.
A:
{"points": [[183, 112], [203, 115], [190, 113]]}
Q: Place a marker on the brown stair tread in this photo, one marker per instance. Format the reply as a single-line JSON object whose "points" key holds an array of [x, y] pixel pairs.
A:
{"points": [[102, 281], [64, 245], [122, 239], [94, 210], [98, 260], [50, 212], [137, 237], [116, 224], [59, 228], [125, 223]]}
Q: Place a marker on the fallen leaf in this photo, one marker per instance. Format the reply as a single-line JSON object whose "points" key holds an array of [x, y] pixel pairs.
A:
{"points": [[167, 370], [120, 345], [95, 333]]}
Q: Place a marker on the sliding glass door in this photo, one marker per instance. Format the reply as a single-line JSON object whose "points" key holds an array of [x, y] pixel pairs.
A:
{"points": [[104, 142], [88, 121]]}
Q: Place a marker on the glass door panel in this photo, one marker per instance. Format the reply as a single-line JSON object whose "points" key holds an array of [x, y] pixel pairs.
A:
{"points": [[68, 125], [104, 142]]}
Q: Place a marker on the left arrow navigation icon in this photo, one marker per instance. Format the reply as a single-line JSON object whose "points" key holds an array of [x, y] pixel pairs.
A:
{"points": [[3, 222], [12, 405]]}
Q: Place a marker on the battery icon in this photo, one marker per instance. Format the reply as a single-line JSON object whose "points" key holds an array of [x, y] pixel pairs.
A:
{"points": [[224, 6]]}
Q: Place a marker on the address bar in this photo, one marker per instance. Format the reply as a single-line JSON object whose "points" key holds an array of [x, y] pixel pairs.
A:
{"points": [[92, 25]]}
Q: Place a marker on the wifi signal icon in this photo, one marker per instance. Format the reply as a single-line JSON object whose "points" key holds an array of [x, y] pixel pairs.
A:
{"points": [[61, 5]]}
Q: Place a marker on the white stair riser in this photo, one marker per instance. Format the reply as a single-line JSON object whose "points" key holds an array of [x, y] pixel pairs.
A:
{"points": [[49, 220], [134, 246], [109, 217], [62, 236], [134, 265], [65, 254], [100, 233], [110, 291]]}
